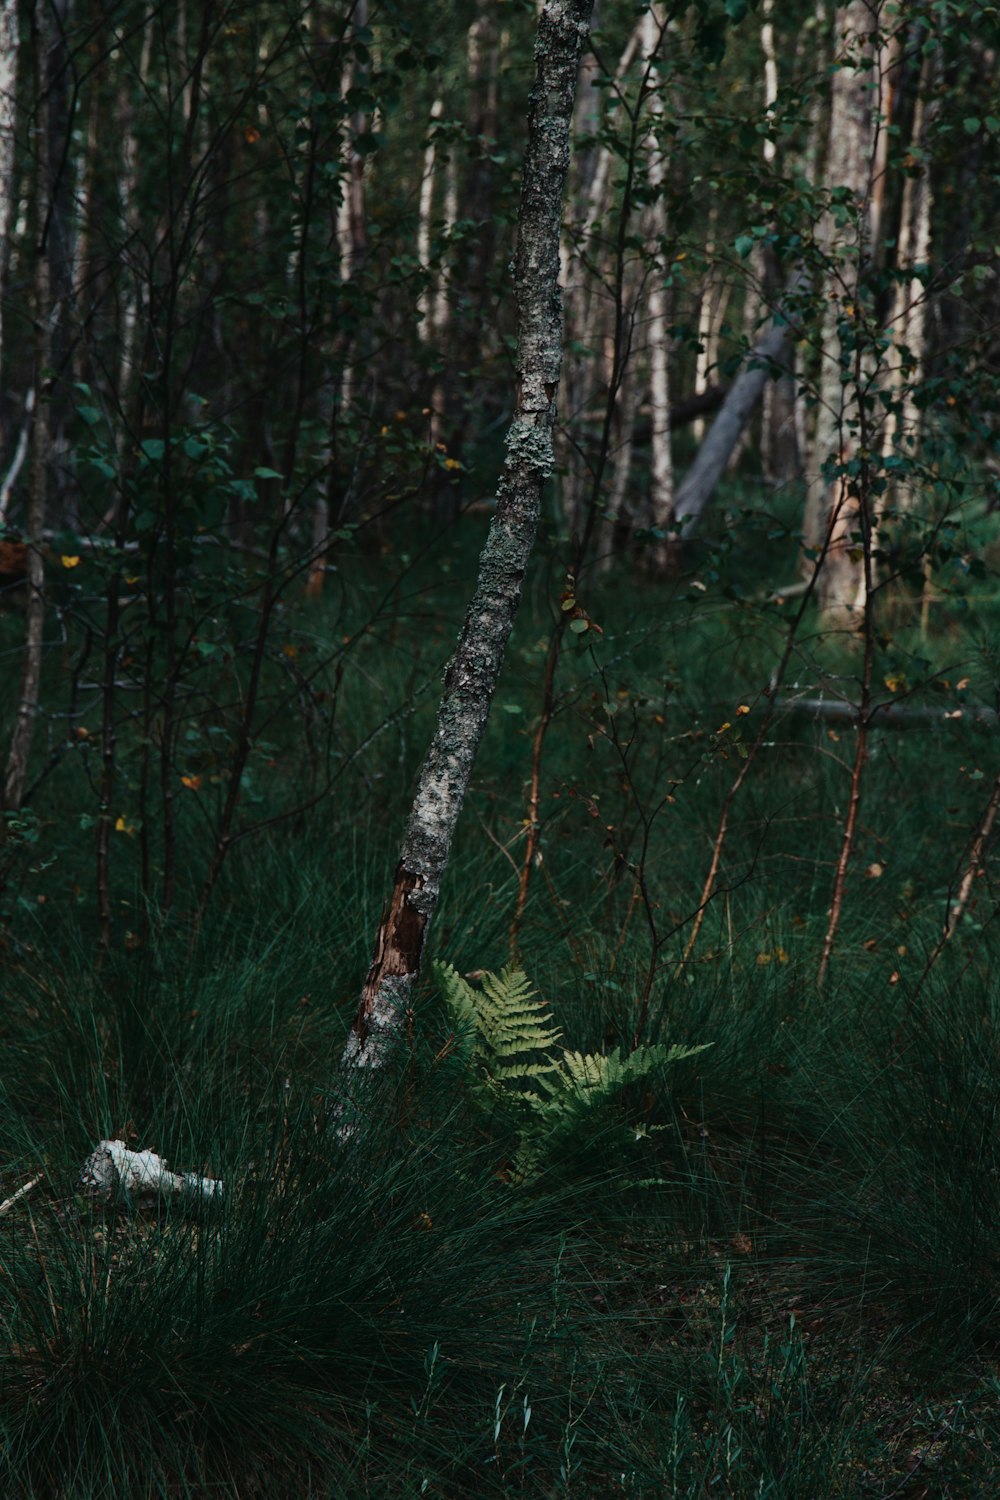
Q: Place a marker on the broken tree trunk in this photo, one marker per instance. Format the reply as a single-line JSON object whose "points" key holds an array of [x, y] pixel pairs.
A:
{"points": [[472, 676]]}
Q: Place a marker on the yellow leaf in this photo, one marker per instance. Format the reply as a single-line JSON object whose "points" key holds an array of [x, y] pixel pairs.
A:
{"points": [[69, 562], [452, 463], [781, 955], [763, 958], [193, 783], [290, 651], [251, 135], [744, 708]]}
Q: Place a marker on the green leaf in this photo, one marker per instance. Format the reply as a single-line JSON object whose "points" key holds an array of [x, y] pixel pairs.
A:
{"points": [[264, 473], [579, 626], [743, 245], [971, 124]]}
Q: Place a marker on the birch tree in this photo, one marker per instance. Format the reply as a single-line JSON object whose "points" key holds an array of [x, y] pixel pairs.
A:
{"points": [[472, 675], [830, 508], [8, 120]]}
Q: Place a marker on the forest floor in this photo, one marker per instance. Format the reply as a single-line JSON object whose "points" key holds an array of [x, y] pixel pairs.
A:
{"points": [[770, 1269]]}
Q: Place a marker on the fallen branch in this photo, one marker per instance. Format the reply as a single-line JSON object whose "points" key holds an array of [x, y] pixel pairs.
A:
{"points": [[22, 1192], [111, 1168], [889, 715]]}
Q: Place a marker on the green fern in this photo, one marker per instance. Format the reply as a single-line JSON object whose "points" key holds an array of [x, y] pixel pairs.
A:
{"points": [[504, 1033]]}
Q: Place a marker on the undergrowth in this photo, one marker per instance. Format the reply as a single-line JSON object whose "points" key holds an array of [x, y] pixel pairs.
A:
{"points": [[769, 1269]]}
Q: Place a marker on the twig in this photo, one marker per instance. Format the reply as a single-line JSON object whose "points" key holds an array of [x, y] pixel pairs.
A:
{"points": [[22, 1192]]}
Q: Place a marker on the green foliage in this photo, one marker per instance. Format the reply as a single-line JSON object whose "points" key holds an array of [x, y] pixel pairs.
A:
{"points": [[502, 1028]]}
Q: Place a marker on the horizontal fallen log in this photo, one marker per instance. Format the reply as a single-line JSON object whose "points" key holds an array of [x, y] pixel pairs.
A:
{"points": [[890, 715], [112, 1168]]}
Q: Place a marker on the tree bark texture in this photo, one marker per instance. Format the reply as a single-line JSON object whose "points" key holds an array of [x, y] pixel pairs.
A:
{"points": [[472, 675], [661, 471]]}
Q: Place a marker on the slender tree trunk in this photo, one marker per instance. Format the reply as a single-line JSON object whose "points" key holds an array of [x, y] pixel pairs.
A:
{"points": [[59, 244], [425, 212], [472, 676], [586, 305], [907, 323], [831, 516], [8, 126], [34, 624], [661, 469]]}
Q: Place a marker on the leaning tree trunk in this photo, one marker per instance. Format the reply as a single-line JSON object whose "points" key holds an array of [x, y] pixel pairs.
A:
{"points": [[472, 676]]}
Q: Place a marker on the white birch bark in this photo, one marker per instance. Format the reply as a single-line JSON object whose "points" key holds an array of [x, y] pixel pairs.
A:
{"points": [[907, 323], [425, 210], [472, 676], [8, 127], [831, 511], [112, 1167], [351, 226], [661, 469]]}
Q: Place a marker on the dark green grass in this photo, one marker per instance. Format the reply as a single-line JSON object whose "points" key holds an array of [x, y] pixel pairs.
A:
{"points": [[771, 1273]]}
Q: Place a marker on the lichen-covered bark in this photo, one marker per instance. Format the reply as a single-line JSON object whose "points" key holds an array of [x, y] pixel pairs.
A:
{"points": [[472, 676]]}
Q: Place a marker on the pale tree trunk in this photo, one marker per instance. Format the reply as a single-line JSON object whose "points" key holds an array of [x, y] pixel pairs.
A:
{"points": [[351, 221], [352, 239], [712, 311], [472, 676], [907, 322], [26, 714], [661, 468], [59, 244], [425, 211], [8, 127], [831, 511], [766, 357], [779, 448]]}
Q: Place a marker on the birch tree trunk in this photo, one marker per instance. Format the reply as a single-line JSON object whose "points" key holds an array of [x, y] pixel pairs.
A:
{"points": [[8, 125], [830, 510], [907, 323], [472, 676], [661, 470]]}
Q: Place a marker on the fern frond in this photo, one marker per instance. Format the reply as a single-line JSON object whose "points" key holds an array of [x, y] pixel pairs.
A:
{"points": [[501, 1030]]}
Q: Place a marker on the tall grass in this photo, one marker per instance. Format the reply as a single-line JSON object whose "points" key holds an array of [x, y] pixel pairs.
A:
{"points": [[774, 1275]]}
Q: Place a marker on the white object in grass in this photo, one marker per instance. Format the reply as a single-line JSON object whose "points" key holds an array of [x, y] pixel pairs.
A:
{"points": [[112, 1166]]}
